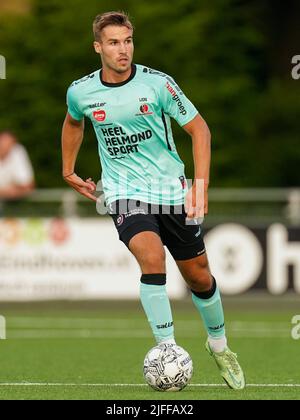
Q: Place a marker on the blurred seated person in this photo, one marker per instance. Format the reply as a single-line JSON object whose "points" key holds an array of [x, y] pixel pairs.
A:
{"points": [[16, 172]]}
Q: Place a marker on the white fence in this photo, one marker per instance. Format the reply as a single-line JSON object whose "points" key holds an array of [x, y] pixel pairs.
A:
{"points": [[249, 205]]}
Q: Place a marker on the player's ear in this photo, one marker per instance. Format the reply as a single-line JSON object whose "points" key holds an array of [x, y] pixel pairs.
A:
{"points": [[97, 47]]}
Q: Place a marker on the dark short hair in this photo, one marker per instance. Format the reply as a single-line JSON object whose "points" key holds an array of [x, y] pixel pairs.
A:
{"points": [[110, 18]]}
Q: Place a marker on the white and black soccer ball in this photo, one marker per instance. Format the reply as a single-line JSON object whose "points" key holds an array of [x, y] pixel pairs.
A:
{"points": [[168, 367]]}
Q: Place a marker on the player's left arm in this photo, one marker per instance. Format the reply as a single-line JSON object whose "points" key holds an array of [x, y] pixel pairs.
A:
{"points": [[196, 203], [178, 106]]}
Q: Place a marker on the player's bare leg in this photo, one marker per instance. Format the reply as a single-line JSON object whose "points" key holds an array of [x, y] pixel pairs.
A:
{"points": [[207, 300], [149, 252], [196, 273]]}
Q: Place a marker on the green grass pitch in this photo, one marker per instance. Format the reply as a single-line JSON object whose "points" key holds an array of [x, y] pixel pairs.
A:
{"points": [[97, 351]]}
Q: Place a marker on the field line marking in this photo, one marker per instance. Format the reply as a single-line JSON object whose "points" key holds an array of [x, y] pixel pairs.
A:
{"points": [[89, 322], [39, 384], [124, 333]]}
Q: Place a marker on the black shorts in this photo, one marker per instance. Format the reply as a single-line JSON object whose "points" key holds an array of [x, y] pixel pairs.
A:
{"points": [[183, 239]]}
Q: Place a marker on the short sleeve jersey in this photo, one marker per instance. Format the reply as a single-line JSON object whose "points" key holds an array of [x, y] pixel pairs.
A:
{"points": [[132, 123]]}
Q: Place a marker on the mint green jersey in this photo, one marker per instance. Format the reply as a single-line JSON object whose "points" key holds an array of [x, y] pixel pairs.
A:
{"points": [[132, 123]]}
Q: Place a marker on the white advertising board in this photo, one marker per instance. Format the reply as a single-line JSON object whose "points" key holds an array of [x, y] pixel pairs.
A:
{"points": [[42, 259]]}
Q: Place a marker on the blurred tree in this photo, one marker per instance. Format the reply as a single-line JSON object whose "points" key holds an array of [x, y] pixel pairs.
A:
{"points": [[222, 53]]}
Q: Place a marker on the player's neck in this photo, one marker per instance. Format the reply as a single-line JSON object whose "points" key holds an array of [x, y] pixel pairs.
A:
{"points": [[111, 76]]}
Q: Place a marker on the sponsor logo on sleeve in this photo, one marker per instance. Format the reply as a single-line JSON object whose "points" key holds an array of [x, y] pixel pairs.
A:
{"points": [[83, 79], [176, 98]]}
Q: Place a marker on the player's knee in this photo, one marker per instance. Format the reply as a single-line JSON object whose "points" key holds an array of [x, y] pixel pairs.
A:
{"points": [[201, 281], [154, 261]]}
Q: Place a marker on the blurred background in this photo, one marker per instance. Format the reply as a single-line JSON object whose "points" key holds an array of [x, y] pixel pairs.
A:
{"points": [[234, 60]]}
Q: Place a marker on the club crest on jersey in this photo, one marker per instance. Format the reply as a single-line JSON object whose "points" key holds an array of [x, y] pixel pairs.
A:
{"points": [[144, 110], [99, 115]]}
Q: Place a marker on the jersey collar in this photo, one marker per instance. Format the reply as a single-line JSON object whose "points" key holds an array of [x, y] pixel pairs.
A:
{"points": [[133, 73]]}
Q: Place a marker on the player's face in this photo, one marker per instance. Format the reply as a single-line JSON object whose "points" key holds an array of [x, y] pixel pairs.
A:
{"points": [[116, 48]]}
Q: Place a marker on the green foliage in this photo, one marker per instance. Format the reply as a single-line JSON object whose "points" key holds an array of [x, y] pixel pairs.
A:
{"points": [[219, 52]]}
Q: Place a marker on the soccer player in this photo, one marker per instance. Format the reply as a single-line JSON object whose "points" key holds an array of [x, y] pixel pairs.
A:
{"points": [[145, 188]]}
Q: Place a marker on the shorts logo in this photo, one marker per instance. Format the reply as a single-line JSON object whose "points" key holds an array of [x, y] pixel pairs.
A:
{"points": [[99, 115], [198, 233], [120, 220]]}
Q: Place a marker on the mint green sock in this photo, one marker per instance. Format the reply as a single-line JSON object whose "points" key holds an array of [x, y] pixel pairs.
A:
{"points": [[157, 306], [209, 305]]}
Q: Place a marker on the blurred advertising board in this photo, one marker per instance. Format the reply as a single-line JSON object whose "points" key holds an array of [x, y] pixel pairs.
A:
{"points": [[243, 258], [45, 259], [82, 259]]}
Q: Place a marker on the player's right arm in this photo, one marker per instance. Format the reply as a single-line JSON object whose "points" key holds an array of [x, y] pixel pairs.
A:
{"points": [[72, 137]]}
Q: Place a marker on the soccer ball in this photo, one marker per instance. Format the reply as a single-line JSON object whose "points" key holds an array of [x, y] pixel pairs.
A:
{"points": [[168, 367]]}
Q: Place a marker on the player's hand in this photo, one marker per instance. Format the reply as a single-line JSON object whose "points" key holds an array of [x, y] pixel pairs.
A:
{"points": [[85, 188], [196, 201]]}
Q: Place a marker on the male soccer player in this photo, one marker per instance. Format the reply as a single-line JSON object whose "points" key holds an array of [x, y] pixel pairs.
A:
{"points": [[130, 107]]}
